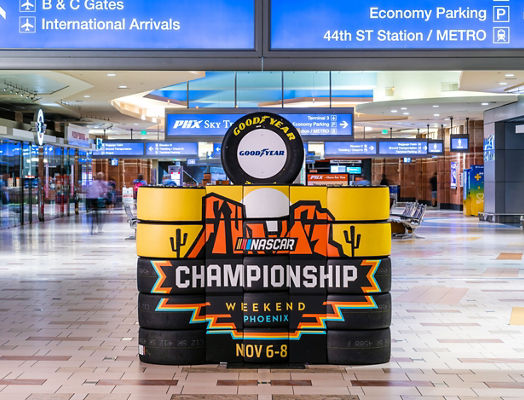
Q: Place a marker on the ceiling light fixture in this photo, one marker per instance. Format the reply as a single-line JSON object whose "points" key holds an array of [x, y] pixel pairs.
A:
{"points": [[122, 87], [484, 104], [436, 115], [436, 106], [403, 108], [503, 83], [405, 113], [111, 75], [509, 75], [86, 96], [394, 111]]}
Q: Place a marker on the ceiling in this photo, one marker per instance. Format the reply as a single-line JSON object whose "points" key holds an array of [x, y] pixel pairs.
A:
{"points": [[115, 102]]}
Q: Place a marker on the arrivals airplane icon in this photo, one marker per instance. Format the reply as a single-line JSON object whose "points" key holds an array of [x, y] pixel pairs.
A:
{"points": [[27, 6], [27, 25]]}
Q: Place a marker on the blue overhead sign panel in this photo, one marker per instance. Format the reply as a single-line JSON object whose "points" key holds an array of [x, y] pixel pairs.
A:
{"points": [[350, 149], [436, 148], [395, 24], [403, 148], [218, 124], [127, 24], [171, 149], [459, 143], [121, 149]]}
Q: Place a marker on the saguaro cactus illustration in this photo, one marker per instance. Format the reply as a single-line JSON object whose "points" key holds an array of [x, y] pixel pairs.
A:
{"points": [[352, 239], [178, 241]]}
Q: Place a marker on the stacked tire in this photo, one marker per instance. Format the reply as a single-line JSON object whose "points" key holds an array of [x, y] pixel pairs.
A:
{"points": [[359, 226], [170, 238]]}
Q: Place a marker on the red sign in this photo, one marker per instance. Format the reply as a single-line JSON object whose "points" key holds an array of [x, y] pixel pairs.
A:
{"points": [[327, 179]]}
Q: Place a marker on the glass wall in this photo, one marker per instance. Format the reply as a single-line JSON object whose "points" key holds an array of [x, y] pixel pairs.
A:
{"points": [[10, 183]]}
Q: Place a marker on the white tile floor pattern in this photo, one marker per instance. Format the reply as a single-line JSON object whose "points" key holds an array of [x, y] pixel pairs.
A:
{"points": [[69, 323]]}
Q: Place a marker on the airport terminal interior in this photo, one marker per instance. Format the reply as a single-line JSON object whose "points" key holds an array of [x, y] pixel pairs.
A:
{"points": [[133, 183]]}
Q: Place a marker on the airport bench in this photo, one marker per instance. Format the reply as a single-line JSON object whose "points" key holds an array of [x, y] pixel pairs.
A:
{"points": [[404, 225]]}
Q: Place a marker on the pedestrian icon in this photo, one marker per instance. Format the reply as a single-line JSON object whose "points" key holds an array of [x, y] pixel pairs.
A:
{"points": [[501, 35], [27, 5], [27, 25], [3, 13]]}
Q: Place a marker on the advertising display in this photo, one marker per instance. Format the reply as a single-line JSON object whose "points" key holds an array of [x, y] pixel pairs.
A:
{"points": [[396, 25], [368, 148], [333, 179], [411, 148], [453, 177], [120, 149], [128, 24], [217, 124], [459, 143], [168, 149], [264, 272]]}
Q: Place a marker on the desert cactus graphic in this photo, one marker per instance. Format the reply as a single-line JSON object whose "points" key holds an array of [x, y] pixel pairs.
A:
{"points": [[178, 242], [352, 239]]}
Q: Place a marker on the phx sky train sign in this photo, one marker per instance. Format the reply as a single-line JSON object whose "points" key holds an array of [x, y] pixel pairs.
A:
{"points": [[264, 271]]}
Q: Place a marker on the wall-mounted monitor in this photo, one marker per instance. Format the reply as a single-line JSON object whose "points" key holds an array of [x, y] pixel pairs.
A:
{"points": [[435, 147], [354, 170], [459, 143], [338, 169]]}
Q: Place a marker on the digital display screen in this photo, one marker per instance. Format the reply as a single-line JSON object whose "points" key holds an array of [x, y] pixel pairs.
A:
{"points": [[436, 148], [394, 24], [403, 148], [459, 143], [169, 149], [218, 124], [338, 169], [128, 24], [120, 149], [354, 170], [350, 148]]}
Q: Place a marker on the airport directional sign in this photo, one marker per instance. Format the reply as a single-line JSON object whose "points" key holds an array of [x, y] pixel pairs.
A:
{"points": [[127, 24], [396, 24]]}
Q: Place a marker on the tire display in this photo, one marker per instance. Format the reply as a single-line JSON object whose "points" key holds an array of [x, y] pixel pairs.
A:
{"points": [[262, 148], [359, 312], [262, 272], [171, 276], [172, 347], [167, 312], [167, 204], [358, 347]]}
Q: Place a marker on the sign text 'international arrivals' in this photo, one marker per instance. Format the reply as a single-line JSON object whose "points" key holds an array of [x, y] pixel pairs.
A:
{"points": [[127, 24]]}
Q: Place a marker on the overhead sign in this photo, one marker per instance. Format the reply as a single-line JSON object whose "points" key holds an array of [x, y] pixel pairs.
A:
{"points": [[128, 24], [436, 147], [121, 149], [393, 24], [350, 148], [459, 143], [40, 127], [78, 136], [403, 148], [218, 124], [171, 149], [327, 179]]}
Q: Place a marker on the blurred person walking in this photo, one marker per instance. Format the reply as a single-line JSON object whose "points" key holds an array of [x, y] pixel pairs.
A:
{"points": [[434, 188], [96, 197]]}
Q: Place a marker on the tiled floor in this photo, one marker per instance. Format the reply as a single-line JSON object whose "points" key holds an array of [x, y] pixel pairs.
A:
{"points": [[69, 326]]}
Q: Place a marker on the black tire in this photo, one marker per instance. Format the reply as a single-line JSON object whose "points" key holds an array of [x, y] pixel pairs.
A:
{"points": [[221, 347], [259, 121], [266, 310], [160, 312], [359, 347], [362, 316], [172, 347], [226, 271], [159, 276], [310, 349], [360, 268], [276, 265]]}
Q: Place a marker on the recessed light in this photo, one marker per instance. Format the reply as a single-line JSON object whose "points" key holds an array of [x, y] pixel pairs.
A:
{"points": [[484, 104], [436, 106], [503, 83], [394, 111], [403, 108], [111, 75], [86, 96], [509, 75], [405, 113], [436, 115], [122, 87]]}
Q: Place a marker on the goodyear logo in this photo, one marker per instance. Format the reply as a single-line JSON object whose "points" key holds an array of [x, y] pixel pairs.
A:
{"points": [[263, 244], [262, 153], [266, 119]]}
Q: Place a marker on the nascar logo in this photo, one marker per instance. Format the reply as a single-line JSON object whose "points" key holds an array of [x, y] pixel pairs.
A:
{"points": [[278, 244]]}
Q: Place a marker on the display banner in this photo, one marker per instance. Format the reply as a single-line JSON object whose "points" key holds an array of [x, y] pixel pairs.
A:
{"points": [[392, 24], [127, 24]]}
